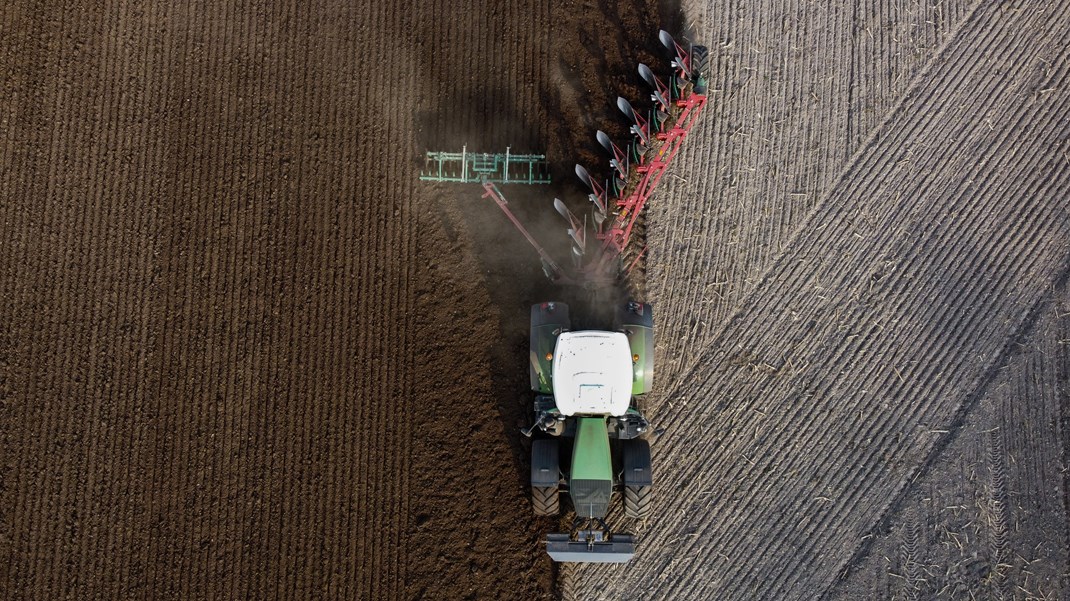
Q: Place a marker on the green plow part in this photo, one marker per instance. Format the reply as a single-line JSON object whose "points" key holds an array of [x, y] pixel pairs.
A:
{"points": [[477, 167]]}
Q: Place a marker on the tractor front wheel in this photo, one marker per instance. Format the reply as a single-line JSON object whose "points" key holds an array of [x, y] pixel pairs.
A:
{"points": [[545, 500], [637, 501]]}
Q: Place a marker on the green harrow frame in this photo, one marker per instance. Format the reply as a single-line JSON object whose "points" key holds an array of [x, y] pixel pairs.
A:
{"points": [[477, 167]]}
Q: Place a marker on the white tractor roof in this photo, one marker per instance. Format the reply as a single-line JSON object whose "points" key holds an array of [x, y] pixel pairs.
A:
{"points": [[592, 373]]}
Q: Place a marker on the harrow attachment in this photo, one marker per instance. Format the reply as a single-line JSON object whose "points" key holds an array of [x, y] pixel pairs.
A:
{"points": [[477, 167], [657, 133]]}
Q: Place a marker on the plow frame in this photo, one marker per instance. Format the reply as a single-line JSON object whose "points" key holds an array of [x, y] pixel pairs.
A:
{"points": [[615, 238]]}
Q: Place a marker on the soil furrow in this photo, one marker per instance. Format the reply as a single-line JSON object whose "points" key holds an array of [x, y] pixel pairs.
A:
{"points": [[938, 361], [1031, 566], [245, 354]]}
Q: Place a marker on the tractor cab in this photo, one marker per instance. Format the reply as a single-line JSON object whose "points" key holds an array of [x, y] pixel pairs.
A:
{"points": [[592, 373]]}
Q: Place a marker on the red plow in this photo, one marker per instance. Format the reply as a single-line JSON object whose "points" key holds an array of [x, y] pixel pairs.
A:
{"points": [[657, 134]]}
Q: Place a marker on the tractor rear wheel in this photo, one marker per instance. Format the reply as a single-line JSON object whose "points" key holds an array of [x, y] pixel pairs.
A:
{"points": [[637, 501], [545, 500]]}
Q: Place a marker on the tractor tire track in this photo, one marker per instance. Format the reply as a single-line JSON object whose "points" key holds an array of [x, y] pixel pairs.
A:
{"points": [[911, 549], [1024, 554], [794, 496]]}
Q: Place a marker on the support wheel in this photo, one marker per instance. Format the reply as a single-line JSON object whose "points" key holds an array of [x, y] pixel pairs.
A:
{"points": [[545, 500], [637, 501]]}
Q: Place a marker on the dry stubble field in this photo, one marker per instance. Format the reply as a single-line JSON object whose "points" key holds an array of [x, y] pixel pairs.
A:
{"points": [[243, 354], [864, 264]]}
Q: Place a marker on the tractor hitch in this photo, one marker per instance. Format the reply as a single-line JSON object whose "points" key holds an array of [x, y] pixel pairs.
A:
{"points": [[593, 543]]}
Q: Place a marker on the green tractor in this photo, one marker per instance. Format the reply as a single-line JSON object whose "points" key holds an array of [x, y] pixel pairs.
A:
{"points": [[587, 426]]}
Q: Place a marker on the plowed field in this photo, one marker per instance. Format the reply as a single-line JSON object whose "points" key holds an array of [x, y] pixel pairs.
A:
{"points": [[245, 354], [242, 354]]}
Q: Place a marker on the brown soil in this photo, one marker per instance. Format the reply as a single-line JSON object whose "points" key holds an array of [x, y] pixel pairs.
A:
{"points": [[243, 353]]}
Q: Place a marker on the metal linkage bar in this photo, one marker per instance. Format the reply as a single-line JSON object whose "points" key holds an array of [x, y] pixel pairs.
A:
{"points": [[549, 266], [475, 167]]}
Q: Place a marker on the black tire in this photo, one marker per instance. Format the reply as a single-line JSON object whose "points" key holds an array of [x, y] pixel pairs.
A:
{"points": [[637, 501], [544, 499], [700, 55], [699, 69]]}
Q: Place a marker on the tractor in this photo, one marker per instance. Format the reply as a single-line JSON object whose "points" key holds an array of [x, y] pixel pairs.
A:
{"points": [[587, 383], [588, 444]]}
